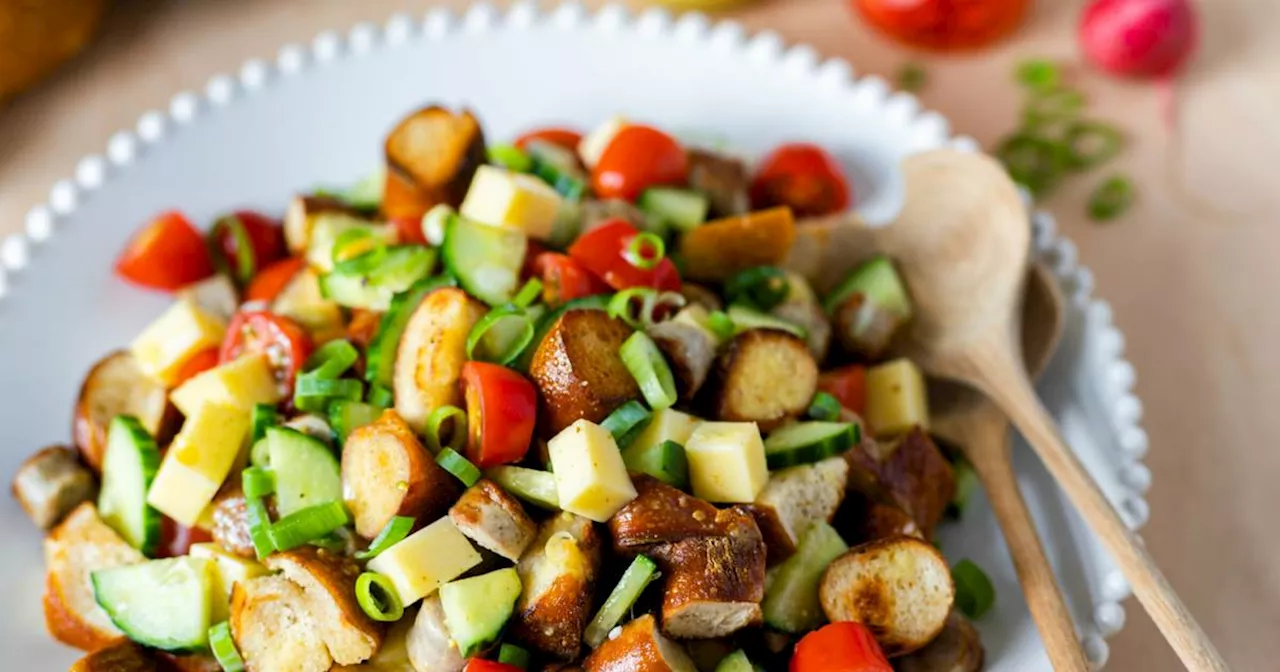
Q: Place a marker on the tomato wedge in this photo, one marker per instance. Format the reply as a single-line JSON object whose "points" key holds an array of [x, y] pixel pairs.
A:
{"points": [[804, 177], [409, 230], [272, 280], [244, 242], [848, 385], [564, 279], [637, 158], [176, 539], [285, 343], [502, 407], [601, 249], [564, 137], [839, 647], [482, 665], [168, 254]]}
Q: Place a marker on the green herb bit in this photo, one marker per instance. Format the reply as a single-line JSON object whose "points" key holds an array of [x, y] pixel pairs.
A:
{"points": [[1091, 144], [912, 77], [974, 593], [1039, 74], [1111, 199]]}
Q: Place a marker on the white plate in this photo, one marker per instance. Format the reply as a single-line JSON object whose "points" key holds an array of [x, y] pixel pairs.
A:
{"points": [[317, 114]]}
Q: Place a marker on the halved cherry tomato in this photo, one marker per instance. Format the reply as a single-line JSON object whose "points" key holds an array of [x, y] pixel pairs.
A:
{"points": [[839, 647], [564, 137], [285, 343], [176, 539], [167, 255], [600, 251], [803, 176], [529, 267], [198, 363], [244, 242], [564, 279], [502, 407], [637, 158], [410, 230], [272, 280], [848, 385], [482, 665]]}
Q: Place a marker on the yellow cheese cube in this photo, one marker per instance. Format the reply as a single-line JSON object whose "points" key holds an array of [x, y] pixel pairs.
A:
{"points": [[302, 302], [240, 384], [726, 462], [500, 197], [425, 560], [592, 146], [227, 570], [198, 461], [897, 399], [182, 331], [591, 477], [667, 425]]}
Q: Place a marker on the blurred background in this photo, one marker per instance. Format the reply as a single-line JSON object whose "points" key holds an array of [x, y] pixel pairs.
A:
{"points": [[1187, 259]]}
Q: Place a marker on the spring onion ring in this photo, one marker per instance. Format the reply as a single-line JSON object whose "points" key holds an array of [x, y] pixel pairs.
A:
{"points": [[644, 360], [453, 462], [645, 251], [494, 340], [377, 597], [1111, 199], [436, 426], [393, 533]]}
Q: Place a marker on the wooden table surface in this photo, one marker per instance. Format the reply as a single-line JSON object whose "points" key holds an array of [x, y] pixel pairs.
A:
{"points": [[1191, 273]]}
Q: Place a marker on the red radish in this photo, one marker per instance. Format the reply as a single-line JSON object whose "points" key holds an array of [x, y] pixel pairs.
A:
{"points": [[1139, 38]]}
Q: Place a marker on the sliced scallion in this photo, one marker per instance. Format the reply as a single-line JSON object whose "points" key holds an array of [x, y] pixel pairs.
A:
{"points": [[1039, 75], [650, 369], [645, 251], [446, 419], [762, 287], [377, 597], [393, 533], [528, 294], [824, 407], [264, 416], [640, 573], [357, 251], [453, 462], [626, 419], [1053, 105], [435, 222], [1035, 163], [655, 302], [974, 593], [258, 482], [720, 324], [629, 305], [501, 335], [259, 526], [381, 396], [510, 654], [1111, 199], [306, 525], [312, 388], [224, 648], [510, 157], [1090, 144], [243, 267], [332, 359]]}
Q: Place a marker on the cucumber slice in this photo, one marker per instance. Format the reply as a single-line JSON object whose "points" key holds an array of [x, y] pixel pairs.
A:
{"points": [[806, 442], [682, 209], [375, 290], [477, 608], [791, 601], [260, 452], [879, 281], [639, 574], [598, 302], [346, 416], [128, 468], [745, 318], [533, 486], [735, 662], [485, 259], [163, 604], [307, 473], [380, 359], [664, 461]]}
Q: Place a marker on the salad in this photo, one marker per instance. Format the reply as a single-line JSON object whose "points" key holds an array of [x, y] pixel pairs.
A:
{"points": [[558, 404]]}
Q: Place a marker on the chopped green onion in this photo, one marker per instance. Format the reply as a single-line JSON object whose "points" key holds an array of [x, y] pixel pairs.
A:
{"points": [[1111, 199], [974, 593], [649, 312], [454, 463], [645, 251], [457, 430], [640, 573], [259, 526], [258, 482], [510, 157], [307, 525], [528, 294], [378, 598], [224, 648], [645, 362], [1039, 75], [625, 419], [720, 324], [1053, 105], [264, 416], [395, 531], [492, 339], [824, 407], [912, 77], [324, 388], [245, 261], [623, 305], [762, 287], [1091, 144], [510, 654], [435, 222], [346, 416], [357, 251], [1033, 162], [966, 485], [332, 359], [380, 396]]}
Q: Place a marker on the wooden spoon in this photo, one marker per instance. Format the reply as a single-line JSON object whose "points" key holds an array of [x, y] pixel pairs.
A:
{"points": [[967, 419], [962, 243]]}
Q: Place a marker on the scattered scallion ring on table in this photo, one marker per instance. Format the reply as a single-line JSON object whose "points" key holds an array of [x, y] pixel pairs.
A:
{"points": [[377, 597], [644, 360], [975, 595], [720, 324], [245, 262], [393, 533], [1033, 162], [528, 294], [1089, 144], [1039, 75], [258, 482], [501, 335], [453, 462], [824, 407], [762, 287], [626, 419], [645, 251], [357, 251], [457, 428], [224, 649], [1053, 105], [1111, 199], [629, 305], [306, 525]]}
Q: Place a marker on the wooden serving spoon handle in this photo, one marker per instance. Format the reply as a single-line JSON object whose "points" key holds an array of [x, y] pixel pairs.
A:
{"points": [[1006, 384], [985, 431]]}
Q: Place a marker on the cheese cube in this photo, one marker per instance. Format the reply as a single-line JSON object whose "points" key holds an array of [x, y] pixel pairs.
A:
{"points": [[500, 197], [329, 225], [198, 461], [726, 462], [181, 332], [241, 384], [227, 570], [426, 560], [592, 146], [591, 477], [667, 425], [302, 301], [897, 399]]}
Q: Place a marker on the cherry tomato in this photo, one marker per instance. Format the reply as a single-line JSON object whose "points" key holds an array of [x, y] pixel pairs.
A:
{"points": [[564, 279], [502, 407], [848, 385], [839, 647], [482, 665], [199, 363], [529, 267], [176, 539], [564, 137], [600, 251], [167, 255], [272, 280], [410, 230], [637, 158], [285, 343], [245, 241], [802, 176], [944, 24]]}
